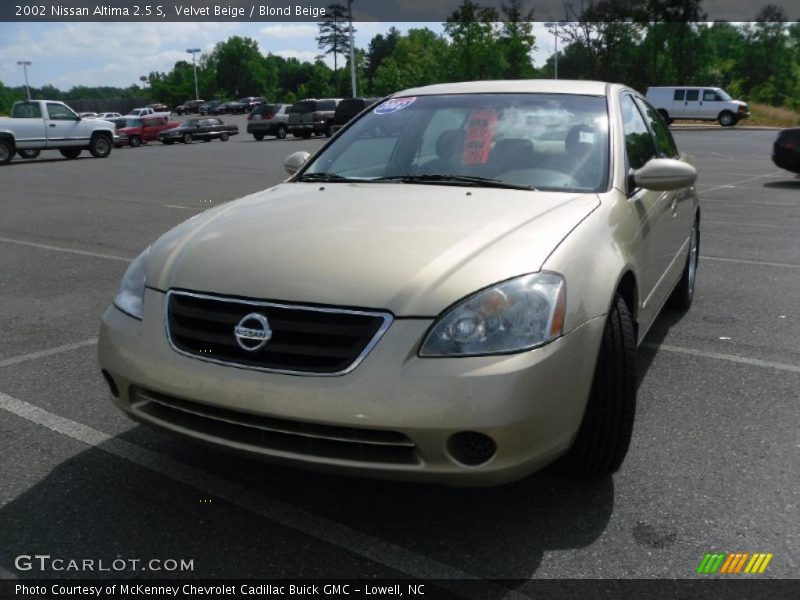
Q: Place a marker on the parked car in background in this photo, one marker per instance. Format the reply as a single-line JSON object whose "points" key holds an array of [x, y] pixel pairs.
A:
{"points": [[248, 103], [138, 131], [205, 129], [268, 119], [190, 106], [140, 112], [312, 116], [349, 108], [88, 115], [158, 107], [206, 108], [467, 305], [786, 150], [697, 103], [36, 125], [109, 115]]}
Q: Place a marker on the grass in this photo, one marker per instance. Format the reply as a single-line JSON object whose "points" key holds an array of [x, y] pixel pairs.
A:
{"points": [[772, 116]]}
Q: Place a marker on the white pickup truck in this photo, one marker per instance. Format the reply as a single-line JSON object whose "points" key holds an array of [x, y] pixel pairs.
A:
{"points": [[37, 125]]}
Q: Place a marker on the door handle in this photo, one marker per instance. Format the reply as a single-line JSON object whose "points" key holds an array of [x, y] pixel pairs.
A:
{"points": [[52, 124]]}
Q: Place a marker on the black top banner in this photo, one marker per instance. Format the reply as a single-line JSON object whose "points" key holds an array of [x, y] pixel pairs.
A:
{"points": [[393, 10]]}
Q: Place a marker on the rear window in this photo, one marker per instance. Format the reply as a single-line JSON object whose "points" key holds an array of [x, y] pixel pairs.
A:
{"points": [[26, 110], [326, 105], [303, 107], [266, 109]]}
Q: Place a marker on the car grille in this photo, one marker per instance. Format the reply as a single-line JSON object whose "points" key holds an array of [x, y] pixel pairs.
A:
{"points": [[304, 340], [260, 433]]}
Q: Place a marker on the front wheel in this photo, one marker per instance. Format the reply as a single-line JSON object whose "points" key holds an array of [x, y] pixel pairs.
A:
{"points": [[281, 133], [70, 152], [223, 137], [187, 138], [100, 146], [29, 154], [727, 119], [258, 136], [6, 152], [683, 294], [607, 426], [135, 141]]}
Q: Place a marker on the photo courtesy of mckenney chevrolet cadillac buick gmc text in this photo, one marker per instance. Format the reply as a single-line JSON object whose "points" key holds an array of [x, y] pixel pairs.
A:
{"points": [[452, 290]]}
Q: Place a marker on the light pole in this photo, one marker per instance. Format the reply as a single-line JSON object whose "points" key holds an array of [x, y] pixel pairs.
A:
{"points": [[25, 64], [352, 49], [193, 52], [554, 25]]}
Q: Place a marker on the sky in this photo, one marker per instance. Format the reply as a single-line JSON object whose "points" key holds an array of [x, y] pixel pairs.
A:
{"points": [[117, 54]]}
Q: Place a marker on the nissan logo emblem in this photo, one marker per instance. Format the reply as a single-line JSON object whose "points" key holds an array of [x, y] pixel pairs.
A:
{"points": [[253, 332]]}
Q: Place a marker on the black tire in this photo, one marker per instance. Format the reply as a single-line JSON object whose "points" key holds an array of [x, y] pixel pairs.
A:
{"points": [[280, 133], [135, 141], [683, 294], [727, 118], [28, 154], [258, 136], [71, 152], [6, 152], [306, 135], [187, 138], [328, 131], [100, 146], [607, 426], [167, 142], [665, 115], [297, 135], [223, 137]]}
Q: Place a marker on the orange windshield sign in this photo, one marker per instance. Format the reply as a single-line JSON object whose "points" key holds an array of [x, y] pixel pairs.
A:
{"points": [[480, 133]]}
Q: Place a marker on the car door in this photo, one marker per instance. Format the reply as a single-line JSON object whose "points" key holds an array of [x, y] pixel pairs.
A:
{"points": [[711, 102], [681, 202], [678, 98], [64, 128], [691, 104], [29, 125], [653, 210]]}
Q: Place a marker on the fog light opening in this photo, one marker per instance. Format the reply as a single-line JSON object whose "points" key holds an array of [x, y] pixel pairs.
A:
{"points": [[112, 385], [471, 448]]}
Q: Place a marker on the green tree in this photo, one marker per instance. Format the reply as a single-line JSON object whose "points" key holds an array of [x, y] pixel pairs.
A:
{"points": [[238, 67], [475, 53], [334, 36], [380, 48], [517, 41]]}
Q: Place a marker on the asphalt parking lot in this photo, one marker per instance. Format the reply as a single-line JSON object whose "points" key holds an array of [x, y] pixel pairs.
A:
{"points": [[714, 464]]}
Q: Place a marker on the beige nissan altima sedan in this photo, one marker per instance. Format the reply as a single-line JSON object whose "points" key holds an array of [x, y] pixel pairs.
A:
{"points": [[452, 290]]}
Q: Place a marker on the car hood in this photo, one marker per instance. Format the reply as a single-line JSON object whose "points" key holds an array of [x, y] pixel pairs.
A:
{"points": [[409, 249]]}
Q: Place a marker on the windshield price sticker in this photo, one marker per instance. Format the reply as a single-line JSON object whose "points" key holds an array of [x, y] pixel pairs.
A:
{"points": [[480, 133], [393, 105]]}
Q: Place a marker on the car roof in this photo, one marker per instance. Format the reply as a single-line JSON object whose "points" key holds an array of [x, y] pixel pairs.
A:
{"points": [[521, 86]]}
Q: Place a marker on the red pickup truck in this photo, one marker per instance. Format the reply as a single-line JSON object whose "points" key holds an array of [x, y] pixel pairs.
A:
{"points": [[140, 130]]}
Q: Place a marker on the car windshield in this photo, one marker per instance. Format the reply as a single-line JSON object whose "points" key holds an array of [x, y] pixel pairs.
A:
{"points": [[191, 123], [724, 95], [133, 123], [531, 141]]}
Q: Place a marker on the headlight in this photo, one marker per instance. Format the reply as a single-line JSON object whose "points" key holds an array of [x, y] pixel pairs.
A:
{"points": [[130, 294], [512, 316]]}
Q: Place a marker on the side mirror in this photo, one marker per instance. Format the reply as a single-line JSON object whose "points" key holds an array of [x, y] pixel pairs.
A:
{"points": [[665, 174], [294, 161]]}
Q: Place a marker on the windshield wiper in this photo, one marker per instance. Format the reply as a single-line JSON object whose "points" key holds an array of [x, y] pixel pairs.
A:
{"points": [[325, 178], [470, 180]]}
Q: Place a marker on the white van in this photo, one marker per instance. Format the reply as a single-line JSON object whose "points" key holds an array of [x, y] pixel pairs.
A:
{"points": [[695, 102]]}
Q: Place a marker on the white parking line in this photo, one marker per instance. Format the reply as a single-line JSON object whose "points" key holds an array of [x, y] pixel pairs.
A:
{"points": [[744, 261], [735, 183], [755, 362], [68, 250], [361, 544], [15, 360]]}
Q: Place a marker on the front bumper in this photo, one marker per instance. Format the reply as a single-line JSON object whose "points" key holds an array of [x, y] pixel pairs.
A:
{"points": [[531, 404]]}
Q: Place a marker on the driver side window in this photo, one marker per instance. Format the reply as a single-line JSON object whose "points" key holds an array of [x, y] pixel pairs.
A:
{"points": [[59, 112], [638, 143]]}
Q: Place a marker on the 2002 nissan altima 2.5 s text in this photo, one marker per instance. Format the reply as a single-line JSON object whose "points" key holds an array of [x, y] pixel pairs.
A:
{"points": [[452, 290]]}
